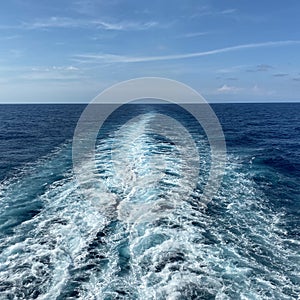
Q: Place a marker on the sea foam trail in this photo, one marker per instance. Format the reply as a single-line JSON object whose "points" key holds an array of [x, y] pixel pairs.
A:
{"points": [[71, 249]]}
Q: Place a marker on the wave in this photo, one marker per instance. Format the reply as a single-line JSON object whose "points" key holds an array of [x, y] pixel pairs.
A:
{"points": [[68, 248]]}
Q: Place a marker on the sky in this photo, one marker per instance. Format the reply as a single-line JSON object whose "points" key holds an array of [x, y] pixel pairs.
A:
{"points": [[70, 50]]}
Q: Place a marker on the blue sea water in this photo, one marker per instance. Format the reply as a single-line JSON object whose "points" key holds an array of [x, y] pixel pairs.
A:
{"points": [[56, 244]]}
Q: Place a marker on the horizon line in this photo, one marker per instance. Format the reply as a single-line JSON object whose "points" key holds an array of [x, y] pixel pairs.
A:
{"points": [[209, 102]]}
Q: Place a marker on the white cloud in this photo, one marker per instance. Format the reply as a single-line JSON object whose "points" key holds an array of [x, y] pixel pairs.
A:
{"points": [[193, 34], [53, 22], [250, 91], [226, 89], [112, 58], [66, 22], [49, 76], [57, 68], [34, 73], [125, 25], [228, 11], [209, 11]]}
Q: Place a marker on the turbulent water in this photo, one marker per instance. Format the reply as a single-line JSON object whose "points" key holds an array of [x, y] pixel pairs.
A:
{"points": [[57, 243]]}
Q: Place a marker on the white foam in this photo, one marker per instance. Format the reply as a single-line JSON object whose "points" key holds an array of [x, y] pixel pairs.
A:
{"points": [[236, 248]]}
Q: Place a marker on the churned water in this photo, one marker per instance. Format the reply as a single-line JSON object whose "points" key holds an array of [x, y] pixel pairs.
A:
{"points": [[56, 244]]}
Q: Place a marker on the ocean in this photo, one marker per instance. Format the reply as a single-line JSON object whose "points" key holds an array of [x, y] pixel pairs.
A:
{"points": [[56, 244]]}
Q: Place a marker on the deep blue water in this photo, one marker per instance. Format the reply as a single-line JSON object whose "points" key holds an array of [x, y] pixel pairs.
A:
{"points": [[55, 244]]}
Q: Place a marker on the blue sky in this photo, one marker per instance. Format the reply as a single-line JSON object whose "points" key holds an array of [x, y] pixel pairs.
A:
{"points": [[69, 51]]}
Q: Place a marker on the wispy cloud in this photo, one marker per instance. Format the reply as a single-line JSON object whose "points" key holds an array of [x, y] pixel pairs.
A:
{"points": [[193, 34], [254, 90], [66, 22], [56, 68], [209, 11], [112, 58], [123, 26], [228, 11], [53, 22], [51, 73], [9, 37]]}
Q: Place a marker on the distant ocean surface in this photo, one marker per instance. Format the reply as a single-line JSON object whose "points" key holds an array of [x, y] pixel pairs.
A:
{"points": [[55, 244]]}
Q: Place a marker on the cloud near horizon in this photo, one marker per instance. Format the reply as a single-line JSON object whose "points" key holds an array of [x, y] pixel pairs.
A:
{"points": [[225, 89]]}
